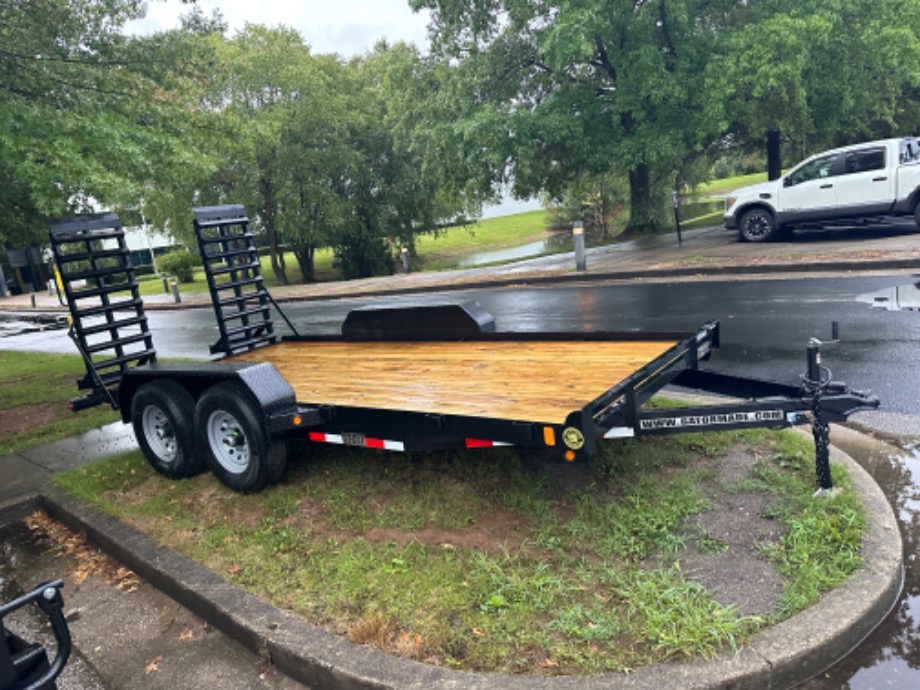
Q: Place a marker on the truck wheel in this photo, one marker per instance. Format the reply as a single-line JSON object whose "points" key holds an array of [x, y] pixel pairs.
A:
{"points": [[161, 414], [235, 445], [757, 225], [917, 215]]}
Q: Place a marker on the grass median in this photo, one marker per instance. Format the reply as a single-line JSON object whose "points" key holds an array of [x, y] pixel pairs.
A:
{"points": [[34, 390], [470, 561]]}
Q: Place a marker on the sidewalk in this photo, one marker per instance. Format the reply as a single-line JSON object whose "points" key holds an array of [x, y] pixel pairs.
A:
{"points": [[708, 252]]}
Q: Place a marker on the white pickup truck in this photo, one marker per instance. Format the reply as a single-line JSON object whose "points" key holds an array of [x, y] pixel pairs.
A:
{"points": [[878, 178]]}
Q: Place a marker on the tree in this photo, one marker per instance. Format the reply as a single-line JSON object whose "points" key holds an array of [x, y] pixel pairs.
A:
{"points": [[355, 175], [582, 86], [58, 67], [89, 117], [833, 70]]}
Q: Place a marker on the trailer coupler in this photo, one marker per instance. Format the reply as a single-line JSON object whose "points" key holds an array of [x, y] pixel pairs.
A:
{"points": [[818, 401], [831, 401]]}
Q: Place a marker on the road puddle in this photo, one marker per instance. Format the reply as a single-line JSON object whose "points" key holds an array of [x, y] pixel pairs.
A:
{"points": [[889, 657], [20, 324], [896, 298]]}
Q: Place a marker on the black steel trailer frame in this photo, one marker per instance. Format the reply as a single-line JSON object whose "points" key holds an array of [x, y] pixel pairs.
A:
{"points": [[240, 413]]}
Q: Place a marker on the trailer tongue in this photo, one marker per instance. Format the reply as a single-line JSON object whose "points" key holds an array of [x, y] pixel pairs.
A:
{"points": [[405, 379]]}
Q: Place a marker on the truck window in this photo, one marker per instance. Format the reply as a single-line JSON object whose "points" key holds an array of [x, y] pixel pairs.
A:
{"points": [[864, 160], [910, 151], [813, 170]]}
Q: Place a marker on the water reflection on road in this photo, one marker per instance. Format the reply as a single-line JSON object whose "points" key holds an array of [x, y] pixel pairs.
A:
{"points": [[890, 657]]}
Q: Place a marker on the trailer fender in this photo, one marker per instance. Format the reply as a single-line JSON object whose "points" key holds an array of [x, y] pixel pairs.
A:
{"points": [[271, 392]]}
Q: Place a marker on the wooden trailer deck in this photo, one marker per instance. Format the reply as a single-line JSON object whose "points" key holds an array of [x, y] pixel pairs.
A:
{"points": [[539, 381]]}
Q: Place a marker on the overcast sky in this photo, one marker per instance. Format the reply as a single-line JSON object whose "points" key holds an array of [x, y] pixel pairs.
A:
{"points": [[346, 27]]}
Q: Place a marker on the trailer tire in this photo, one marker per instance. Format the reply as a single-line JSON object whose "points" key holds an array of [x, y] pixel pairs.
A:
{"points": [[233, 439], [161, 414]]}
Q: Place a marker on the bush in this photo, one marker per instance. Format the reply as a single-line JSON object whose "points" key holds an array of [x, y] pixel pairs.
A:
{"points": [[180, 263], [143, 270]]}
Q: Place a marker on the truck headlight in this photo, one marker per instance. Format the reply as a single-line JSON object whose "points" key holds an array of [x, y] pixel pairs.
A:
{"points": [[729, 202]]}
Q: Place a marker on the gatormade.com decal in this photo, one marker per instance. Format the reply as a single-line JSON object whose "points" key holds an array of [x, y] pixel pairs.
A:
{"points": [[712, 419]]}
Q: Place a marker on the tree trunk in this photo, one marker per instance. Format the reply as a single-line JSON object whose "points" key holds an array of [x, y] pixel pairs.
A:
{"points": [[269, 217], [774, 160], [642, 216], [305, 260]]}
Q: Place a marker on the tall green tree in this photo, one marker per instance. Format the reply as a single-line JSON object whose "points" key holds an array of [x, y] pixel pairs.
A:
{"points": [[582, 86], [834, 71], [88, 116], [63, 84]]}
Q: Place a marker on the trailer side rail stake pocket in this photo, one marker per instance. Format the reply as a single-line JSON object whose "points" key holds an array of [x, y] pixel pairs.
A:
{"points": [[430, 377]]}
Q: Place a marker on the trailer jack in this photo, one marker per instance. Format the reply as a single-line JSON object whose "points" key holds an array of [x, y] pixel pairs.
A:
{"points": [[24, 665]]}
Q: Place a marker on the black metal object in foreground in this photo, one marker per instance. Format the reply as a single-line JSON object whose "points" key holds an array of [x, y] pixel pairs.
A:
{"points": [[23, 665]]}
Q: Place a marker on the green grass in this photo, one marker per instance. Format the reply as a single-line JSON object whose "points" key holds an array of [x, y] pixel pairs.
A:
{"points": [[449, 246], [36, 387], [153, 284], [464, 560], [725, 185]]}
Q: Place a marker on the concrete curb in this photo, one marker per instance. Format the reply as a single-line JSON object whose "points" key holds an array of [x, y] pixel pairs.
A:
{"points": [[779, 657], [12, 512]]}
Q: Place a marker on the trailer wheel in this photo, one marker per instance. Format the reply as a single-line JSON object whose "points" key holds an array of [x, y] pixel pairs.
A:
{"points": [[161, 414], [235, 445]]}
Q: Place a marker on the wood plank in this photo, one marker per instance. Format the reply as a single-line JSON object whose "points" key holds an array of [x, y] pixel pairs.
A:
{"points": [[532, 380]]}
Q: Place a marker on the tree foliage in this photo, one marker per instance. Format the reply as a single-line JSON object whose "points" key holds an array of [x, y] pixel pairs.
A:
{"points": [[596, 104], [643, 87], [833, 71], [584, 86], [88, 114]]}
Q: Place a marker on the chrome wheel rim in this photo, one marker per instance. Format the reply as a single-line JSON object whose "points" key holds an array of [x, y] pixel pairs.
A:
{"points": [[228, 442], [159, 433]]}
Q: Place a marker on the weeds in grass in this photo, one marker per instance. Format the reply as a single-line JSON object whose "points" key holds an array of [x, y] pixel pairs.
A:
{"points": [[465, 560]]}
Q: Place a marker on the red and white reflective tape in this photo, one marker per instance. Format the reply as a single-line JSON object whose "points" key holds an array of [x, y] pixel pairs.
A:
{"points": [[379, 443], [480, 443]]}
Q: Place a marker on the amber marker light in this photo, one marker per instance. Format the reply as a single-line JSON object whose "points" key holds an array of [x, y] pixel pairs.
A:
{"points": [[298, 420], [549, 436], [570, 455]]}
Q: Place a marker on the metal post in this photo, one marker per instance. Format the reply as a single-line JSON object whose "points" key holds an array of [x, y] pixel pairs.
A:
{"points": [[674, 198], [165, 285], [578, 231], [814, 362], [175, 290], [404, 253]]}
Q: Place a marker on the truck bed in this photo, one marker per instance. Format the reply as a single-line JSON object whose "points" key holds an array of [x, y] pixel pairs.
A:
{"points": [[540, 381]]}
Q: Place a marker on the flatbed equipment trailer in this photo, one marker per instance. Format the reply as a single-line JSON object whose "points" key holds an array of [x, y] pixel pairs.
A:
{"points": [[399, 379]]}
